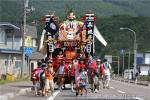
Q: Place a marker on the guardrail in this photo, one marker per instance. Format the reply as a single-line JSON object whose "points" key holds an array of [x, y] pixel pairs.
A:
{"points": [[144, 83]]}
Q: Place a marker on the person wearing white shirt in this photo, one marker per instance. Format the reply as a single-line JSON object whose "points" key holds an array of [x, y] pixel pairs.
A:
{"points": [[107, 73]]}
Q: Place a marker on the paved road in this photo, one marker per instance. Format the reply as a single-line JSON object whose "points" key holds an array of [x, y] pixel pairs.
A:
{"points": [[118, 90], [14, 87]]}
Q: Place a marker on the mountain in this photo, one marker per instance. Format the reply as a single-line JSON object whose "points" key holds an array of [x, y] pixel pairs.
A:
{"points": [[117, 39], [12, 10], [111, 15]]}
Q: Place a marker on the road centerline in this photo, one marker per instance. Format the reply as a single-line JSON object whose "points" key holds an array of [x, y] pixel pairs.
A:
{"points": [[112, 87], [52, 97], [120, 91]]}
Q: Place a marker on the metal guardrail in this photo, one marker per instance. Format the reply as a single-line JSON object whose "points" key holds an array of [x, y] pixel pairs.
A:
{"points": [[144, 83]]}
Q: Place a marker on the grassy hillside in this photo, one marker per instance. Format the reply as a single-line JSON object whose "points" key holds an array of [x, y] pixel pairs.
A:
{"points": [[99, 7], [117, 39], [12, 10], [111, 15], [140, 7]]}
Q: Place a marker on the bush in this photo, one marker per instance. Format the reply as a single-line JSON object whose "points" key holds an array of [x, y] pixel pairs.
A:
{"points": [[143, 78], [2, 81]]}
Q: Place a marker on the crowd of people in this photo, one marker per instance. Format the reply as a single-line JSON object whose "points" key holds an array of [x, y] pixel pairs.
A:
{"points": [[81, 75]]}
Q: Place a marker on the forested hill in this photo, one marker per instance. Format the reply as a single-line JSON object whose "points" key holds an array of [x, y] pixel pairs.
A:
{"points": [[117, 39], [12, 9], [111, 15]]}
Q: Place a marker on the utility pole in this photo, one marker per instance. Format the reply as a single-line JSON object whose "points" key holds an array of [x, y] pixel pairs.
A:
{"points": [[118, 65], [23, 35], [118, 62], [129, 64], [122, 66], [135, 45], [122, 52]]}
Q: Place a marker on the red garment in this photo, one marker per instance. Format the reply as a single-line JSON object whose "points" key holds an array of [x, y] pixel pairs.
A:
{"points": [[72, 71], [81, 65], [35, 74], [93, 64], [66, 69], [102, 69]]}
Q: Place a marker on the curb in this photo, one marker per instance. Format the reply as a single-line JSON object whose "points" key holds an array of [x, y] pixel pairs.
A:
{"points": [[144, 84], [11, 95]]}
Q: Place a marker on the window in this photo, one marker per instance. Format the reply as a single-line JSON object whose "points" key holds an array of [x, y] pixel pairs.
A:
{"points": [[2, 36]]}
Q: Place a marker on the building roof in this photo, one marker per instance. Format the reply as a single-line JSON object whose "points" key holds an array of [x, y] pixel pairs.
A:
{"points": [[36, 56], [9, 25], [31, 31]]}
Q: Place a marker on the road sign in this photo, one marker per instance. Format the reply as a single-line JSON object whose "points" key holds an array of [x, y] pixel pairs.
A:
{"points": [[109, 58], [122, 51], [28, 41], [28, 51]]}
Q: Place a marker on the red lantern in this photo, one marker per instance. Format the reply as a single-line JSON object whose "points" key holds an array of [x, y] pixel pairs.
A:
{"points": [[94, 18]]}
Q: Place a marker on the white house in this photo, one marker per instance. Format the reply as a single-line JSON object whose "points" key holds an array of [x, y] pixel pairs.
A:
{"points": [[10, 53], [144, 67], [11, 48], [147, 57]]}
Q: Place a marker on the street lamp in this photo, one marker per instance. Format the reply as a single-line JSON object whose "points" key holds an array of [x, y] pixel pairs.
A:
{"points": [[135, 44]]}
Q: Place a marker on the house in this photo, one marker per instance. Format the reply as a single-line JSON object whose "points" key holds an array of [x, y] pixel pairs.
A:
{"points": [[10, 53], [143, 62], [32, 31], [36, 56], [147, 57], [11, 48]]}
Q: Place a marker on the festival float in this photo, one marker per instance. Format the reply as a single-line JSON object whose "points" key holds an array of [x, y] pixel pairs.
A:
{"points": [[69, 39]]}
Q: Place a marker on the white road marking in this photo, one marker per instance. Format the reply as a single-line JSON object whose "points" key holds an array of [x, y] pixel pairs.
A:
{"points": [[120, 91], [56, 93], [52, 97], [67, 85], [138, 98], [112, 87]]}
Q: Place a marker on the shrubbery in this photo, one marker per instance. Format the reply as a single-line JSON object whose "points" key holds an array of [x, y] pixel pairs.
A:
{"points": [[143, 78]]}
